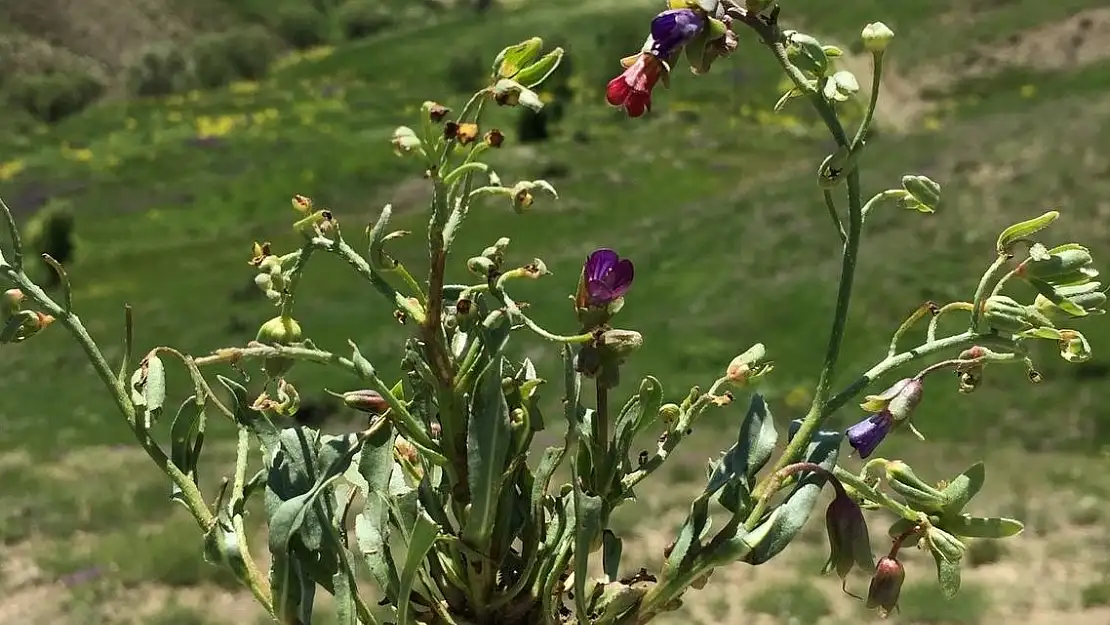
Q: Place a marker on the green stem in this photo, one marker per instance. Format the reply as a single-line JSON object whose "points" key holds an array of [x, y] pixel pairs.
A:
{"points": [[882, 196], [983, 288], [289, 293], [914, 317], [17, 241], [346, 252], [931, 334], [875, 495], [830, 203], [258, 583], [872, 103]]}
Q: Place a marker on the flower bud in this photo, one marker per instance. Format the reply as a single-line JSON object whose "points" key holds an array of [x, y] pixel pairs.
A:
{"points": [[481, 266], [511, 93], [669, 413], [435, 111], [886, 585], [494, 138], [849, 541], [539, 71], [748, 366], [511, 60], [280, 330], [1060, 265], [522, 196], [1007, 316], [405, 140], [917, 493], [621, 342], [10, 302], [367, 401], [924, 191], [876, 37], [900, 400], [842, 86], [1074, 346]]}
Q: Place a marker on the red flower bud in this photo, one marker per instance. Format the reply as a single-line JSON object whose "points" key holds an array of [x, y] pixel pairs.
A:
{"points": [[886, 585]]}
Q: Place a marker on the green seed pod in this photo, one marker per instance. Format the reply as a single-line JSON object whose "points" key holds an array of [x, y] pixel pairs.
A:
{"points": [[917, 493], [278, 331]]}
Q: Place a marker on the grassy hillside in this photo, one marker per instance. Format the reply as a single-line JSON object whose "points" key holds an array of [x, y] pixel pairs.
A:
{"points": [[712, 196]]}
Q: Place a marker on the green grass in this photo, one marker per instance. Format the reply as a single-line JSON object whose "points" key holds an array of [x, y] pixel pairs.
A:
{"points": [[924, 604], [712, 196], [800, 602]]}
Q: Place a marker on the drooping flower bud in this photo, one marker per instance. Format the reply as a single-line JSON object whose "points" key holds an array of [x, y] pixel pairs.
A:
{"points": [[405, 141], [10, 303], [436, 112], [366, 401], [849, 541], [886, 585], [900, 399], [749, 365]]}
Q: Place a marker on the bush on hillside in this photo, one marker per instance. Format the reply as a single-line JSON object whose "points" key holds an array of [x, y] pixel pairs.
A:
{"points": [[237, 54], [51, 231], [359, 19], [159, 70], [302, 26], [52, 97], [466, 71]]}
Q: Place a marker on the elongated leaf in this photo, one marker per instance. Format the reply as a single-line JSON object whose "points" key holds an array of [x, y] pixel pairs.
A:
{"points": [[1024, 229], [258, 423], [948, 575], [375, 468], [792, 515], [638, 414], [962, 489], [183, 433], [588, 513], [572, 383], [754, 446], [689, 535], [611, 548], [488, 441], [345, 612], [421, 540], [982, 527]]}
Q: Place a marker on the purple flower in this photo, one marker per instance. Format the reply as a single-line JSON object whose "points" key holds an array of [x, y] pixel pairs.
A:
{"points": [[866, 435], [607, 277], [670, 30]]}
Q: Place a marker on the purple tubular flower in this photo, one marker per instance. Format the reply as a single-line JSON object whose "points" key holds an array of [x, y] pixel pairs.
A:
{"points": [[608, 276], [866, 435], [670, 30]]}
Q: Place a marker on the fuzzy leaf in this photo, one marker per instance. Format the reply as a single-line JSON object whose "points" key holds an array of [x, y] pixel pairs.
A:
{"points": [[587, 515], [982, 527], [421, 541], [962, 489], [1024, 229]]}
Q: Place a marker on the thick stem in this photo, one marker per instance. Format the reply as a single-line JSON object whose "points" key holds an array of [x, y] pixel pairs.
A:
{"points": [[984, 288]]}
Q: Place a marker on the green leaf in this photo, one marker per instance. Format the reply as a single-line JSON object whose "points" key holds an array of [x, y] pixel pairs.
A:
{"points": [[1024, 229], [754, 446], [962, 489], [533, 75], [948, 575], [187, 437], [344, 600], [488, 441], [258, 423], [148, 388], [375, 468], [287, 518], [611, 548], [638, 414], [587, 514], [794, 512], [572, 383], [696, 525], [512, 59], [982, 527], [421, 540], [1049, 292]]}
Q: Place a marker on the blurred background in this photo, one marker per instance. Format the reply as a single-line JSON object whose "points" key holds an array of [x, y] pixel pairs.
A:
{"points": [[148, 143]]}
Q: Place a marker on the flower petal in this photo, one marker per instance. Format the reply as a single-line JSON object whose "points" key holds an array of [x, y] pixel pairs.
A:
{"points": [[599, 263], [866, 435]]}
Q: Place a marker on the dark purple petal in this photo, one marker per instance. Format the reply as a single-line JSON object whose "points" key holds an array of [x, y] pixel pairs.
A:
{"points": [[620, 278], [599, 263], [673, 29], [866, 435]]}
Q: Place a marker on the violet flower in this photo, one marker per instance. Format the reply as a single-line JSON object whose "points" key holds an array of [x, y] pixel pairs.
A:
{"points": [[673, 29], [866, 435], [607, 277]]}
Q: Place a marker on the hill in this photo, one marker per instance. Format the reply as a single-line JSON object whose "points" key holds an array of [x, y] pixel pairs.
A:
{"points": [[1004, 103]]}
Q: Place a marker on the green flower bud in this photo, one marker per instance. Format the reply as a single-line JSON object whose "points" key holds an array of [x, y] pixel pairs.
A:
{"points": [[537, 72], [278, 331], [1007, 316], [511, 60], [876, 37], [1057, 264], [405, 141], [924, 191], [917, 493], [1074, 346], [481, 266], [886, 585]]}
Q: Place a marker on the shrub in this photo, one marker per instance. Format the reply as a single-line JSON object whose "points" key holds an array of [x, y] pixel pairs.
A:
{"points": [[222, 58], [359, 19], [302, 26], [51, 231], [54, 96], [159, 70], [466, 71]]}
